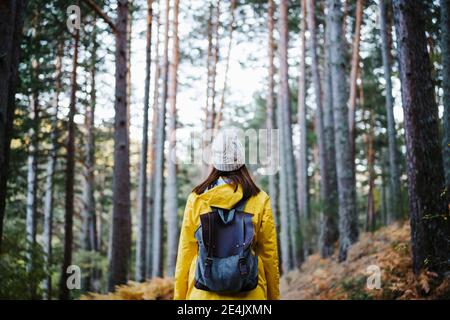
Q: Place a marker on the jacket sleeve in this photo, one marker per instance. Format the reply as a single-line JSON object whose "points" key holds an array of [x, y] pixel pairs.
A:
{"points": [[268, 252], [187, 249]]}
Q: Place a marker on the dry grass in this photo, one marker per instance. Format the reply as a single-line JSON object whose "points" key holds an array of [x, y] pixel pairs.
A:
{"points": [[154, 289], [388, 248]]}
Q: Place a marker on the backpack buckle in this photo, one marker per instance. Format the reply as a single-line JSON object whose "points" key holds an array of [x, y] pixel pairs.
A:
{"points": [[208, 263], [243, 269]]}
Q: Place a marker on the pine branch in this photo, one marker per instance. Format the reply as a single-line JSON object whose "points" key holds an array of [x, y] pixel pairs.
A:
{"points": [[102, 14]]}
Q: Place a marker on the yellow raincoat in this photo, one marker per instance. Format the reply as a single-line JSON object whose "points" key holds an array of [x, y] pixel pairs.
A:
{"points": [[265, 244]]}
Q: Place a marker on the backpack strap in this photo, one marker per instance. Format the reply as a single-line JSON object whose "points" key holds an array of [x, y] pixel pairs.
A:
{"points": [[230, 214], [209, 260], [241, 204], [242, 262]]}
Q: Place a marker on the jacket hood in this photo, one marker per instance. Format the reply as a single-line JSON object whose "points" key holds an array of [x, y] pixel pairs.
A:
{"points": [[223, 196]]}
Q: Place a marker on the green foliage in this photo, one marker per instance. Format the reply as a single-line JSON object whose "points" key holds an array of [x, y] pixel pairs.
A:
{"points": [[356, 288], [16, 281]]}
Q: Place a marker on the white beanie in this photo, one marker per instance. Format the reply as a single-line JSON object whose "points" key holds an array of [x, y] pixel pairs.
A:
{"points": [[227, 151]]}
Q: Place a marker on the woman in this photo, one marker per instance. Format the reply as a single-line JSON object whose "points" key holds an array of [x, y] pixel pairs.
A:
{"points": [[228, 183]]}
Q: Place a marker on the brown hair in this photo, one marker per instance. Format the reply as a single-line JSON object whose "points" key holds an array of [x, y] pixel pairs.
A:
{"points": [[237, 177]]}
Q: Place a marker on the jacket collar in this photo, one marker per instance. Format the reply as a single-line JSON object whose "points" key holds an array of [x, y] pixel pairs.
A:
{"points": [[223, 196]]}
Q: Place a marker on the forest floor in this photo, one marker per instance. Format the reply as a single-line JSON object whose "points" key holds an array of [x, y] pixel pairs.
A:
{"points": [[388, 248]]}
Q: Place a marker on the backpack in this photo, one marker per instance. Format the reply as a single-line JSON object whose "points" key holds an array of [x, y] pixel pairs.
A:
{"points": [[226, 263]]}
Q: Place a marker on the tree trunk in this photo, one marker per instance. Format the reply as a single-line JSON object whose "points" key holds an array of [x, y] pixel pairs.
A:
{"points": [[328, 221], [318, 99], [327, 202], [157, 261], [430, 223], [101, 210], [211, 64], [89, 212], [11, 23], [129, 39], [384, 213], [302, 167], [32, 165], [33, 147], [227, 67], [286, 258], [394, 198], [151, 191], [121, 222], [172, 195], [50, 174], [354, 72], [142, 197], [209, 54], [370, 154], [285, 127], [445, 47], [271, 103], [348, 222], [31, 201], [70, 177], [215, 60]]}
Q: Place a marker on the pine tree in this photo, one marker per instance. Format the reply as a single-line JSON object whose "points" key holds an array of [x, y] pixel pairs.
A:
{"points": [[348, 227], [172, 196], [430, 223], [141, 234]]}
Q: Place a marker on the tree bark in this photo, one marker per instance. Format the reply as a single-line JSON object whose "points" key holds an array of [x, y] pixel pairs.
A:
{"points": [[286, 257], [31, 211], [70, 176], [384, 213], [151, 191], [209, 54], [328, 221], [142, 197], [227, 67], [325, 187], [302, 167], [430, 223], [32, 161], [50, 174], [348, 222], [394, 198], [370, 155], [271, 103], [215, 60], [121, 219], [318, 99], [157, 260], [172, 194], [285, 127], [354, 72], [11, 23], [89, 212]]}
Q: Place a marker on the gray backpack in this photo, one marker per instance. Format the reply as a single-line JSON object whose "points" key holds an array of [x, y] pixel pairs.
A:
{"points": [[226, 263]]}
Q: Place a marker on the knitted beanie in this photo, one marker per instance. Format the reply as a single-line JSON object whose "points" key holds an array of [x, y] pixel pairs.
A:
{"points": [[227, 152]]}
